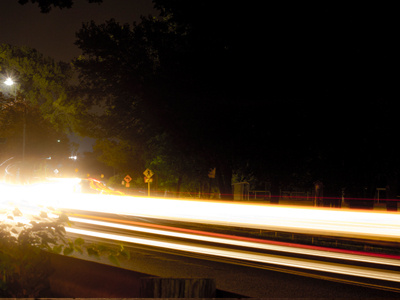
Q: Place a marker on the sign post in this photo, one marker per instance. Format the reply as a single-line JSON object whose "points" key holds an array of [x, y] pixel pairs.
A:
{"points": [[147, 178]]}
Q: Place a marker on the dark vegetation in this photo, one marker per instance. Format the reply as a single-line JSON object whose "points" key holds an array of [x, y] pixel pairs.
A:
{"points": [[24, 261], [26, 245]]}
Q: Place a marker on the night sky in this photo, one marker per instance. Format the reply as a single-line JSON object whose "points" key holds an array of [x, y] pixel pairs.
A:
{"points": [[53, 34]]}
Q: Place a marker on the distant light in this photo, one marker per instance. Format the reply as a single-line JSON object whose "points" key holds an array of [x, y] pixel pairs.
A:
{"points": [[9, 81], [74, 157], [58, 141]]}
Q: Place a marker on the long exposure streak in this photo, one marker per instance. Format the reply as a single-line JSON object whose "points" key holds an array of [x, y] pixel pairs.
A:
{"points": [[248, 256], [333, 222], [234, 241]]}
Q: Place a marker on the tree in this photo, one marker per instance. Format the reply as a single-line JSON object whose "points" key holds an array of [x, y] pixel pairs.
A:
{"points": [[176, 167], [41, 81], [121, 155], [166, 76], [42, 140], [45, 5], [38, 110]]}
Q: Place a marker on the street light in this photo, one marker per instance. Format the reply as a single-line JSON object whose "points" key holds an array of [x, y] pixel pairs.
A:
{"points": [[10, 82]]}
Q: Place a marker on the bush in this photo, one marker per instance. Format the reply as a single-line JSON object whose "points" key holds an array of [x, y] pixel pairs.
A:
{"points": [[25, 247], [24, 252]]}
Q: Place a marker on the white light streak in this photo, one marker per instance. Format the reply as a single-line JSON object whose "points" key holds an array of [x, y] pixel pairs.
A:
{"points": [[341, 223]]}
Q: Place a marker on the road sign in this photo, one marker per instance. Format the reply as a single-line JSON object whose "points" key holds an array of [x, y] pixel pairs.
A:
{"points": [[127, 178], [148, 173]]}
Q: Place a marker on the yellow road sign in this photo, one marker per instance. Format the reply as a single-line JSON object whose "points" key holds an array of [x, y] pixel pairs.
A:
{"points": [[127, 178], [148, 173]]}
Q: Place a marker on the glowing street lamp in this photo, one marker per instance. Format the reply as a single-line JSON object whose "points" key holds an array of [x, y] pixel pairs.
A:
{"points": [[9, 81]]}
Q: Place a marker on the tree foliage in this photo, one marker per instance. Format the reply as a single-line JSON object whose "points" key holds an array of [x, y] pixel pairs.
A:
{"points": [[43, 82], [38, 129], [164, 76], [120, 155], [26, 242], [24, 264], [46, 5], [36, 113], [40, 100], [177, 169]]}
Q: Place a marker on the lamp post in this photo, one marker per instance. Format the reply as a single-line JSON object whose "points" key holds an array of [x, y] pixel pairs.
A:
{"points": [[10, 82]]}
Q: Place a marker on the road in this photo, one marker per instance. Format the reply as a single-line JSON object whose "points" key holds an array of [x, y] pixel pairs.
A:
{"points": [[231, 242]]}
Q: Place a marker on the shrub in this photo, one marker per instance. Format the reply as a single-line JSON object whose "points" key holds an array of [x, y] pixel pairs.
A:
{"points": [[25, 244], [24, 252]]}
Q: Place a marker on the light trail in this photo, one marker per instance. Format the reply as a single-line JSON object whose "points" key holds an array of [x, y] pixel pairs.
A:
{"points": [[340, 223], [371, 225], [251, 257], [243, 242]]}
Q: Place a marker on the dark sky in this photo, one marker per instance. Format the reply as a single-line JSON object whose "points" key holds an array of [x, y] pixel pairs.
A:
{"points": [[53, 34]]}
